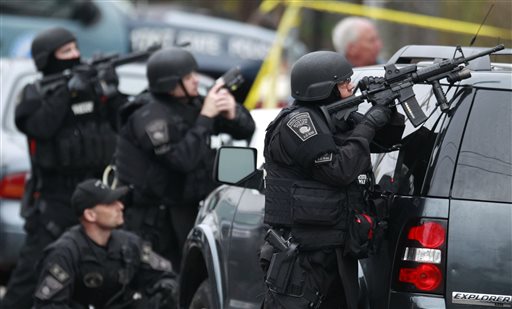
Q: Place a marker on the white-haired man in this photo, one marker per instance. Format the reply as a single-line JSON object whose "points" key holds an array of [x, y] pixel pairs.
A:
{"points": [[358, 40]]}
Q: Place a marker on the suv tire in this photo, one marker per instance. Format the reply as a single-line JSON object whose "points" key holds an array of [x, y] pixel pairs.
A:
{"points": [[202, 297]]}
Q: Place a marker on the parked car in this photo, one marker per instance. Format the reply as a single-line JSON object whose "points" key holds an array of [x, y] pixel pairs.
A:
{"points": [[98, 25], [448, 244], [217, 43], [15, 163], [118, 26]]}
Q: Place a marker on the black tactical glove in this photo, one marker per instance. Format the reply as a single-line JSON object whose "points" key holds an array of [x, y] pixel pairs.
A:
{"points": [[80, 83], [108, 81], [164, 294], [355, 118], [377, 116]]}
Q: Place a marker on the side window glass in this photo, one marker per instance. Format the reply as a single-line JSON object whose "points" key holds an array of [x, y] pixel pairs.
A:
{"points": [[415, 151], [484, 165], [132, 84], [46, 8]]}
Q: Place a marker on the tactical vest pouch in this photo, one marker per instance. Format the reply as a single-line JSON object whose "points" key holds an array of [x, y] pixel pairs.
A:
{"points": [[86, 146], [45, 155], [69, 151], [361, 230], [315, 204], [367, 225]]}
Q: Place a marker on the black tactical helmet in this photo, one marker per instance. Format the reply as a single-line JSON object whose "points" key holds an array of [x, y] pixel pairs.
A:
{"points": [[167, 67], [46, 42], [315, 74]]}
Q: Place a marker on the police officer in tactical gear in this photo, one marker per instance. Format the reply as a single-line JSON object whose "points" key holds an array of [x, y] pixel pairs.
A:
{"points": [[70, 139], [164, 149], [311, 182], [95, 264]]}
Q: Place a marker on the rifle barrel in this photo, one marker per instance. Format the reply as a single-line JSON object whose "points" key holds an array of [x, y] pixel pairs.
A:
{"points": [[448, 65], [486, 52]]}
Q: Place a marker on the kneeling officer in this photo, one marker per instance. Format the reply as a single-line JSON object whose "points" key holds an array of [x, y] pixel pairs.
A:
{"points": [[95, 264]]}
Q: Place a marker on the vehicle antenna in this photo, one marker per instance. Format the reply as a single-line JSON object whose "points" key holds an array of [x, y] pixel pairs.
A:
{"points": [[483, 22]]}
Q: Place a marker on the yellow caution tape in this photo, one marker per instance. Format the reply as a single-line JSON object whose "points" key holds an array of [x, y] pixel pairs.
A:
{"points": [[268, 5], [269, 70], [271, 65], [419, 20]]}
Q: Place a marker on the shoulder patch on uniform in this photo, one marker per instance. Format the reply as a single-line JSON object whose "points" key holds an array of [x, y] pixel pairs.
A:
{"points": [[302, 125], [48, 288], [324, 158], [154, 260], [58, 272], [158, 132]]}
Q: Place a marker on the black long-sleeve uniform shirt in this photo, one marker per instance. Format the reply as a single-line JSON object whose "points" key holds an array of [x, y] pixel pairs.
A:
{"points": [[164, 148], [78, 272]]}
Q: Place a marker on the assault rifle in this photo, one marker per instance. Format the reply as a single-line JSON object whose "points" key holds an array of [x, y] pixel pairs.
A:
{"points": [[397, 84], [98, 70]]}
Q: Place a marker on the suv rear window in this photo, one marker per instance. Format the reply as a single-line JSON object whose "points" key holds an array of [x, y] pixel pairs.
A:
{"points": [[484, 166]]}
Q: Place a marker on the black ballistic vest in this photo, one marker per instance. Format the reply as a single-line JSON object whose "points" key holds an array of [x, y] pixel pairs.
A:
{"points": [[315, 213], [154, 181], [101, 273], [84, 143]]}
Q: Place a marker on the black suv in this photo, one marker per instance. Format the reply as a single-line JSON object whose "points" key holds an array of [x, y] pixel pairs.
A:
{"points": [[448, 244]]}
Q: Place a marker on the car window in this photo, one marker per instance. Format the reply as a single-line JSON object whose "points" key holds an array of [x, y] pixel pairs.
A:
{"points": [[416, 149], [484, 166], [132, 84], [47, 8]]}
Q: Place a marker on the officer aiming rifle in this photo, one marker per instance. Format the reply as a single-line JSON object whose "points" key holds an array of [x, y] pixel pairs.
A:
{"points": [[98, 72], [69, 118], [397, 83]]}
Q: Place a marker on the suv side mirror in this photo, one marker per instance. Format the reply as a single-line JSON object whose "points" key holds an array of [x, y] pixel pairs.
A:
{"points": [[237, 166]]}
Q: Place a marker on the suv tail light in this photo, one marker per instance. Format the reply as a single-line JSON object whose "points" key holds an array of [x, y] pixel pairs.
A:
{"points": [[420, 264], [12, 186]]}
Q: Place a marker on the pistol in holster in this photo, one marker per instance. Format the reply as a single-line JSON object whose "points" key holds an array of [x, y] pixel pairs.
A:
{"points": [[280, 276]]}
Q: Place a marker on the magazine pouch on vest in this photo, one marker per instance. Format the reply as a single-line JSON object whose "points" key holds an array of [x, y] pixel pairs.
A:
{"points": [[313, 203], [367, 224], [312, 211]]}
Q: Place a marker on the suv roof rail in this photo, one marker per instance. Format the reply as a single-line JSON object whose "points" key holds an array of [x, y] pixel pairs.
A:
{"points": [[415, 53]]}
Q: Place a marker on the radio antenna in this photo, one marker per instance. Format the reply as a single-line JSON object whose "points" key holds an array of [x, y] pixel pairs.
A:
{"points": [[483, 22]]}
